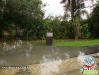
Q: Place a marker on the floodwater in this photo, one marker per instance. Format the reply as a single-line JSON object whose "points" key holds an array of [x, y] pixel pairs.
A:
{"points": [[25, 53]]}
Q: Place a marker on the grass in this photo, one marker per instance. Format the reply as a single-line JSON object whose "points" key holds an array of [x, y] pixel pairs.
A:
{"points": [[65, 42], [78, 43]]}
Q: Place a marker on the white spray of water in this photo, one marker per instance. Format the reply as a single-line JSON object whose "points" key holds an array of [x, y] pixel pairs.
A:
{"points": [[27, 54], [2, 61], [4, 43], [5, 47], [81, 57], [8, 47], [97, 54], [50, 67], [16, 45], [67, 55], [45, 59], [20, 42], [30, 47]]}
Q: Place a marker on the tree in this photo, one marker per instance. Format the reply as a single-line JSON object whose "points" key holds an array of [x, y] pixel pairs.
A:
{"points": [[31, 16], [24, 16], [93, 23], [74, 7], [69, 7], [2, 6]]}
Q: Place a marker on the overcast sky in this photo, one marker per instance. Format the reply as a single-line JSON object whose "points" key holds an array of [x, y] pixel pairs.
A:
{"points": [[54, 7]]}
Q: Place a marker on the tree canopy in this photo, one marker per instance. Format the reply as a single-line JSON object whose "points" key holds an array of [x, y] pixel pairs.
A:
{"points": [[24, 19]]}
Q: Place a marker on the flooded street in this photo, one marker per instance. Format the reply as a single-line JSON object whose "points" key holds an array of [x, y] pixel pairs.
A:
{"points": [[25, 53], [45, 37]]}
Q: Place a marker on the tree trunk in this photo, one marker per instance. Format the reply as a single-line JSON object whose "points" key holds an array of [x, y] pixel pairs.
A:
{"points": [[77, 31], [72, 11]]}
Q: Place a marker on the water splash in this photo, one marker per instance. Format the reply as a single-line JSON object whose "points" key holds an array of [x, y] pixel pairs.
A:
{"points": [[45, 59], [81, 54], [4, 43], [17, 44], [50, 67], [55, 48], [5, 47], [81, 57], [97, 54], [2, 61], [58, 58], [9, 48], [30, 47], [67, 55], [27, 54], [20, 42]]}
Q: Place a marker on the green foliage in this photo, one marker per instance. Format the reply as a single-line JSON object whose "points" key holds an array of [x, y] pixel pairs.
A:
{"points": [[24, 19], [61, 29], [84, 31], [93, 23], [56, 28]]}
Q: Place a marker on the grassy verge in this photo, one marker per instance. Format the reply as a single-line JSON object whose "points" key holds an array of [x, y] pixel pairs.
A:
{"points": [[61, 42], [78, 43]]}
